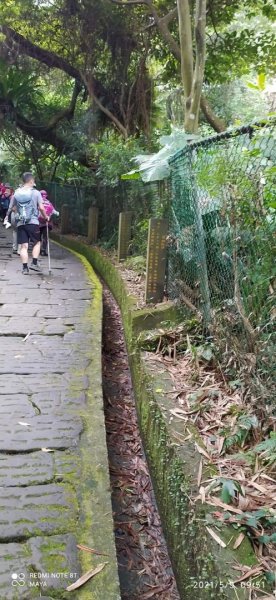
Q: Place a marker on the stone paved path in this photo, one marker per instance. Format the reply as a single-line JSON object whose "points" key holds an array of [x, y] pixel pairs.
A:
{"points": [[54, 483]]}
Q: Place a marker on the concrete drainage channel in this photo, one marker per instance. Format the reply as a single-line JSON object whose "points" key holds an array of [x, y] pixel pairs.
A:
{"points": [[145, 569]]}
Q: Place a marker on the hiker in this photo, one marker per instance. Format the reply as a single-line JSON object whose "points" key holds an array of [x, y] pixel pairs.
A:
{"points": [[27, 205], [5, 200], [44, 228], [10, 220]]}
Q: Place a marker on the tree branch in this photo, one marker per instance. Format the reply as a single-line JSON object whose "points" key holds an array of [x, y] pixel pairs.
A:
{"points": [[89, 84], [215, 122], [169, 17], [67, 113], [47, 57], [42, 133]]}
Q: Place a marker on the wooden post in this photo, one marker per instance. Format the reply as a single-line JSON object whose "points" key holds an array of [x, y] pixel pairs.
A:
{"points": [[125, 222], [156, 259], [93, 220], [65, 219]]}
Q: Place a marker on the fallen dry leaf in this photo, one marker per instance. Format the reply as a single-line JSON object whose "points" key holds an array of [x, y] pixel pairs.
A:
{"points": [[203, 452], [87, 549], [216, 502], [251, 573], [199, 475], [176, 412], [216, 537], [238, 541], [84, 578], [152, 593]]}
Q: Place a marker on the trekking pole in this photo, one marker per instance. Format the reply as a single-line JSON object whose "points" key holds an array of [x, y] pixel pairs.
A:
{"points": [[48, 249]]}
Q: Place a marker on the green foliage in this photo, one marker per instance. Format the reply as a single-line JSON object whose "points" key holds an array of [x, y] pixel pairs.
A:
{"points": [[267, 449], [236, 103], [113, 156], [243, 428], [137, 264], [229, 490], [256, 519], [19, 88]]}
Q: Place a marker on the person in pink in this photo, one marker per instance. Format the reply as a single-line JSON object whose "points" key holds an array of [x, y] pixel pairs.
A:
{"points": [[50, 211]]}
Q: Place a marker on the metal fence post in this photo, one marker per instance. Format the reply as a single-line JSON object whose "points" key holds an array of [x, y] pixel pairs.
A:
{"points": [[202, 263]]}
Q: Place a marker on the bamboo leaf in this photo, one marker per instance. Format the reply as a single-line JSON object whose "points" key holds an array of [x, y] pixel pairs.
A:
{"points": [[84, 578]]}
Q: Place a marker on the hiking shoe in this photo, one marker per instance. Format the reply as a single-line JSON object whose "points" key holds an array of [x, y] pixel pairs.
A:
{"points": [[25, 271], [35, 268], [43, 253]]}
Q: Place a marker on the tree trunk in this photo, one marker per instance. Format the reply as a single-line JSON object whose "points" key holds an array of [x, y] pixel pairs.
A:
{"points": [[192, 73], [186, 46]]}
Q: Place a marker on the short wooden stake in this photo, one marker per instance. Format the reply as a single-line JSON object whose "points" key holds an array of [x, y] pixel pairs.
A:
{"points": [[93, 222], [125, 222], [156, 260], [65, 219]]}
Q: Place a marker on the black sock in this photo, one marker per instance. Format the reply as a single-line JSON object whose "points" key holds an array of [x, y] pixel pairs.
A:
{"points": [[34, 261], [25, 265]]}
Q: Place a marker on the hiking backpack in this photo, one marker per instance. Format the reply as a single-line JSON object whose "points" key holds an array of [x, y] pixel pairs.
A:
{"points": [[24, 206]]}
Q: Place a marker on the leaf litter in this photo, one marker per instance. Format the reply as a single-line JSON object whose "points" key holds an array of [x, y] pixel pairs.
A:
{"points": [[144, 566], [234, 437]]}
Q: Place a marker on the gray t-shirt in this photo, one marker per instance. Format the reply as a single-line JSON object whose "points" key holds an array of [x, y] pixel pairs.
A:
{"points": [[36, 201]]}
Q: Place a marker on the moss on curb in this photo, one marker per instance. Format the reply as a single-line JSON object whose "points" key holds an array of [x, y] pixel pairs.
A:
{"points": [[202, 567], [95, 522]]}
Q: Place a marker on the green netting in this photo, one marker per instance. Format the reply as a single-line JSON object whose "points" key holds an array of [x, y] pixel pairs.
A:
{"points": [[221, 202], [222, 230]]}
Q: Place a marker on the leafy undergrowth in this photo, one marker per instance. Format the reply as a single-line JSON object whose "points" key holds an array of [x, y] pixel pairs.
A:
{"points": [[144, 566], [133, 272], [237, 435]]}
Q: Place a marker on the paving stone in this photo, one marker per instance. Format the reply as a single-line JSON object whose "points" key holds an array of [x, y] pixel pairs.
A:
{"points": [[39, 432], [62, 310], [59, 402], [22, 326], [36, 510], [15, 406], [26, 469], [60, 551], [33, 563], [27, 366], [26, 310], [29, 384]]}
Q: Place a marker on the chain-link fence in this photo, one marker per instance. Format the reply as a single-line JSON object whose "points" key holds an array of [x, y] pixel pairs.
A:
{"points": [[221, 202], [222, 245]]}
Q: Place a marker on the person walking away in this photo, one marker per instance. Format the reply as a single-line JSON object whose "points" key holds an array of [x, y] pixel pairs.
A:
{"points": [[5, 200], [28, 204], [50, 211], [10, 218]]}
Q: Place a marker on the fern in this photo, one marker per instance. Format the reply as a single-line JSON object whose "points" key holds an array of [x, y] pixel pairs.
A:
{"points": [[267, 449], [244, 425]]}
